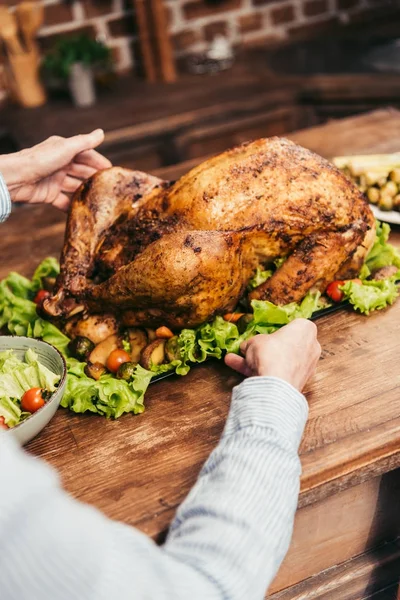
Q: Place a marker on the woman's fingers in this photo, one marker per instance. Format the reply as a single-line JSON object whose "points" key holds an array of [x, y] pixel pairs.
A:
{"points": [[238, 363], [70, 184], [81, 171], [93, 159], [62, 202]]}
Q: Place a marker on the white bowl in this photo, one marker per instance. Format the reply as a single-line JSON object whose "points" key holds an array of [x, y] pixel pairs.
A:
{"points": [[51, 358]]}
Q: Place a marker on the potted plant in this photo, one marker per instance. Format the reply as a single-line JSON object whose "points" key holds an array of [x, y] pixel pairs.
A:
{"points": [[75, 60]]}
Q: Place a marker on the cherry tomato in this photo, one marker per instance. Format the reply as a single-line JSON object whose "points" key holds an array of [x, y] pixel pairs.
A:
{"points": [[116, 359], [3, 424], [40, 296], [32, 400], [334, 292]]}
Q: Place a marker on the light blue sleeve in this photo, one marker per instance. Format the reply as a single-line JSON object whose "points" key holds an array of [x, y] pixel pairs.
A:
{"points": [[5, 201], [226, 542]]}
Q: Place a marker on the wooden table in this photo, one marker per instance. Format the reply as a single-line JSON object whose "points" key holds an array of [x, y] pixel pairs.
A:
{"points": [[138, 469]]}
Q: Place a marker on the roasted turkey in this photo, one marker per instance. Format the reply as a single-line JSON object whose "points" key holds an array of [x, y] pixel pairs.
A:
{"points": [[177, 254]]}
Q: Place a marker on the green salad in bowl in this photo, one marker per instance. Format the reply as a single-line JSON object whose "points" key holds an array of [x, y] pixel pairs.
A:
{"points": [[32, 380]]}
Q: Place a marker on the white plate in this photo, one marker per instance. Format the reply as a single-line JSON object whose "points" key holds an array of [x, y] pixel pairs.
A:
{"points": [[388, 216]]}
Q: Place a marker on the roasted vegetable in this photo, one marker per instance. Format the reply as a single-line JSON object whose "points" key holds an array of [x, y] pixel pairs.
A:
{"points": [[48, 283], [103, 350], [40, 296], [151, 334], [243, 322], [126, 371], [233, 317], [164, 332], [95, 370], [385, 272], [80, 347], [153, 354], [172, 349], [334, 292], [138, 340], [95, 327], [117, 358]]}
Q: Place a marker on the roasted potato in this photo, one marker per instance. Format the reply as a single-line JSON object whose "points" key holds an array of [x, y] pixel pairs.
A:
{"points": [[151, 334], [153, 354], [138, 340], [102, 351], [95, 327]]}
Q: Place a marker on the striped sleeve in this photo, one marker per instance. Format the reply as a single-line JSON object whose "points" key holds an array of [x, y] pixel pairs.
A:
{"points": [[5, 201], [236, 524]]}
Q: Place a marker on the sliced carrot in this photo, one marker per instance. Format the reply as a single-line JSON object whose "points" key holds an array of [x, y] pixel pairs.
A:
{"points": [[233, 317], [164, 332]]}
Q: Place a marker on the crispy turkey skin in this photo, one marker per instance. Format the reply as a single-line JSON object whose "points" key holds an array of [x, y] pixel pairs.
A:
{"points": [[178, 254]]}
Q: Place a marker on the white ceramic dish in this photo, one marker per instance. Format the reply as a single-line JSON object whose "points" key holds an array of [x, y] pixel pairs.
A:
{"points": [[53, 360], [387, 216]]}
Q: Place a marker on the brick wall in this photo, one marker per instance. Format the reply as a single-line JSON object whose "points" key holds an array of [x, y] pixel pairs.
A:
{"points": [[193, 23]]}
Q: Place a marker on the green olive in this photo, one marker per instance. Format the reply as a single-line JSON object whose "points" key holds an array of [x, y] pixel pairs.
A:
{"points": [[373, 195], [396, 202], [80, 347], [382, 181], [243, 322], [390, 189], [126, 371], [395, 175], [386, 203]]}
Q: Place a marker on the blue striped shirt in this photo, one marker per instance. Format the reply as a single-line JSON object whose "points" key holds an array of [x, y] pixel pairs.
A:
{"points": [[227, 540], [5, 201]]}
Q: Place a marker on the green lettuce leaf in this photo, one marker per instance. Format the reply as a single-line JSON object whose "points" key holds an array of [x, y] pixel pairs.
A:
{"points": [[10, 411], [16, 376], [47, 379], [49, 267], [258, 278], [382, 254], [269, 315], [51, 334], [16, 311], [371, 295], [108, 396]]}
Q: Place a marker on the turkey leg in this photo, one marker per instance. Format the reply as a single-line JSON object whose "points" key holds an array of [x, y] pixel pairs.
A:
{"points": [[314, 263], [96, 205]]}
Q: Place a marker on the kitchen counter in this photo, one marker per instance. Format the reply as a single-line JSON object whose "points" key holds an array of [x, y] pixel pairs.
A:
{"points": [[139, 468]]}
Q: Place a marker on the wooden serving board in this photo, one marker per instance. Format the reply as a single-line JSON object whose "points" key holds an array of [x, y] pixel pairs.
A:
{"points": [[139, 468]]}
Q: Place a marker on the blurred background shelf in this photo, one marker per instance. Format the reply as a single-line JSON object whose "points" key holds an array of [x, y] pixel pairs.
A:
{"points": [[269, 91]]}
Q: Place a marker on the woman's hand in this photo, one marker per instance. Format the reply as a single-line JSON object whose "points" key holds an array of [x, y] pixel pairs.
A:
{"points": [[292, 354], [53, 169]]}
